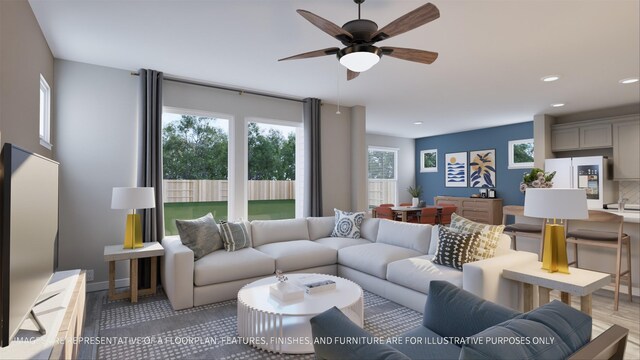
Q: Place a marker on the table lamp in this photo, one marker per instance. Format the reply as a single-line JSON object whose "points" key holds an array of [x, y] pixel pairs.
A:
{"points": [[563, 204], [132, 198]]}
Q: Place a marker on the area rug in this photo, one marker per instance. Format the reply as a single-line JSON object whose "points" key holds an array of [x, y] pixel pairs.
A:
{"points": [[151, 329]]}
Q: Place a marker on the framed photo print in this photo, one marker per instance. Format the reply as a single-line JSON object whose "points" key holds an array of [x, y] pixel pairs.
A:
{"points": [[456, 169], [429, 160], [482, 168], [521, 154]]}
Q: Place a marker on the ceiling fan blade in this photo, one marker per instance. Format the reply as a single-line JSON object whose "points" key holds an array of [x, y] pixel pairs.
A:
{"points": [[421, 56], [326, 26], [315, 53], [352, 74], [409, 21]]}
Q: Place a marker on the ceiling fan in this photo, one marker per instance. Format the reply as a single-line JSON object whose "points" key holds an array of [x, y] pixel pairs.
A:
{"points": [[359, 36]]}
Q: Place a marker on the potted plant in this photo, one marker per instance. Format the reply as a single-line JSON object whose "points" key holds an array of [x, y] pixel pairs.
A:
{"points": [[416, 192]]}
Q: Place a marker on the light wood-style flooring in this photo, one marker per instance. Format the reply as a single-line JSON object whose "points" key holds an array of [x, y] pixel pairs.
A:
{"points": [[628, 316]]}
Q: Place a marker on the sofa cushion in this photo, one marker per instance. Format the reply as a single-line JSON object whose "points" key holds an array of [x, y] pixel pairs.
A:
{"points": [[222, 266], [299, 254], [369, 229], [504, 243], [432, 346], [455, 248], [373, 258], [572, 324], [235, 236], [417, 273], [406, 235], [320, 227], [271, 231], [451, 311], [332, 324], [347, 224], [339, 243], [200, 235], [519, 335]]}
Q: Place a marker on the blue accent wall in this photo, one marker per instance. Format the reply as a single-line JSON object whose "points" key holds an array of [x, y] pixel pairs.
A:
{"points": [[507, 181]]}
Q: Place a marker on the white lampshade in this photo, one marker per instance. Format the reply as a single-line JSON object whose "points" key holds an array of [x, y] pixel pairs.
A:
{"points": [[359, 61], [556, 203], [133, 198]]}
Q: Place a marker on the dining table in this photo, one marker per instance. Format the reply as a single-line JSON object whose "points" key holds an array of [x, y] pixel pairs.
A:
{"points": [[405, 212]]}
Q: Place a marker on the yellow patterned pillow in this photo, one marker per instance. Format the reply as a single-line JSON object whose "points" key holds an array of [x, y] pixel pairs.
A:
{"points": [[489, 235]]}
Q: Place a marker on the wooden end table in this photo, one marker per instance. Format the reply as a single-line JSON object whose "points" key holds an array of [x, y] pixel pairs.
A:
{"points": [[113, 253], [579, 282]]}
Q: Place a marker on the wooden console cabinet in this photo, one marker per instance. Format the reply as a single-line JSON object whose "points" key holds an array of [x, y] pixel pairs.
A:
{"points": [[482, 210]]}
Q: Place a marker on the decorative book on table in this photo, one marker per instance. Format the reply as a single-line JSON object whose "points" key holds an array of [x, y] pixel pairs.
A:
{"points": [[314, 284], [285, 291]]}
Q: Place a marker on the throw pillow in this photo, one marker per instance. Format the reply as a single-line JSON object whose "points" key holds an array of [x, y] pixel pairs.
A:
{"points": [[489, 235], [234, 236], [455, 248], [347, 224], [200, 235]]}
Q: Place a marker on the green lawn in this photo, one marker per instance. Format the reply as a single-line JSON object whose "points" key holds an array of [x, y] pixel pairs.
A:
{"points": [[258, 210]]}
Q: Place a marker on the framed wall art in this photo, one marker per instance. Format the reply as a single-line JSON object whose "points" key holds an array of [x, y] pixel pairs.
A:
{"points": [[456, 169], [482, 168], [429, 160]]}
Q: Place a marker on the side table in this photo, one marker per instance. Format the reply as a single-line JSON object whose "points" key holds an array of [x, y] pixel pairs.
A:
{"points": [[578, 282], [113, 253]]}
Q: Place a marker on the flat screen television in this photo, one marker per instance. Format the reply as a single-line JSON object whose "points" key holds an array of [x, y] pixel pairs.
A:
{"points": [[29, 231]]}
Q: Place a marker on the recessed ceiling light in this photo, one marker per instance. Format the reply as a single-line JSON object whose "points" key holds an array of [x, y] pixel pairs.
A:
{"points": [[557, 105], [628, 81], [417, 123], [550, 78]]}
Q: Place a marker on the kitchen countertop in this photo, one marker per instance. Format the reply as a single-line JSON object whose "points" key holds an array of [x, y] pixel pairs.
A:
{"points": [[630, 216]]}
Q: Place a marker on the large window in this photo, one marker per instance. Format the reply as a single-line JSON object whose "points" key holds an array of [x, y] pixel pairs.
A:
{"points": [[271, 169], [195, 166], [45, 113], [383, 176]]}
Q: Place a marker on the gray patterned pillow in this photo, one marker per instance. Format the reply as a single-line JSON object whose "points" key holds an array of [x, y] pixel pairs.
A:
{"points": [[234, 236], [455, 248], [200, 235], [489, 235], [347, 224]]}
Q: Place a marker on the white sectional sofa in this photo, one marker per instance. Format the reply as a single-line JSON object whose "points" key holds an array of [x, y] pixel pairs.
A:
{"points": [[392, 259]]}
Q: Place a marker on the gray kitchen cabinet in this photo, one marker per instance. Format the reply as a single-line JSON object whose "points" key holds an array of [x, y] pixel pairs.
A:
{"points": [[626, 150], [565, 138], [595, 136]]}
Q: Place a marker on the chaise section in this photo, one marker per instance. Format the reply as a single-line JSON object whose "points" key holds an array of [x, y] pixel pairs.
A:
{"points": [[224, 266], [176, 272], [373, 258], [299, 254], [416, 273]]}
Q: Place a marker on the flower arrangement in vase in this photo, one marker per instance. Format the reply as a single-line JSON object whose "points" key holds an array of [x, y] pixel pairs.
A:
{"points": [[536, 178]]}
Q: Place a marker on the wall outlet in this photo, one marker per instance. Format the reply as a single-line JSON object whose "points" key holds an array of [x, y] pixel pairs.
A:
{"points": [[90, 275]]}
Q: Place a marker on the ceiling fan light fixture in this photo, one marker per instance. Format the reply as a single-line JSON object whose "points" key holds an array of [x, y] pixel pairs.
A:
{"points": [[359, 58]]}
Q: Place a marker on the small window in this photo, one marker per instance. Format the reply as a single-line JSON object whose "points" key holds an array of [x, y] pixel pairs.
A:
{"points": [[521, 154], [45, 113]]}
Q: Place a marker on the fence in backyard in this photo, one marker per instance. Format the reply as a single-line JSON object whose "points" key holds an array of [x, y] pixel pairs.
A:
{"points": [[218, 190], [382, 192]]}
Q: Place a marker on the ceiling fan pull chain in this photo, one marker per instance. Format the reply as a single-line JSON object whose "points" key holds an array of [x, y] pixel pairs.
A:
{"points": [[338, 87]]}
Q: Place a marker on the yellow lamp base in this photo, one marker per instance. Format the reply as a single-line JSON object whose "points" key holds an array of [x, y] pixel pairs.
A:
{"points": [[133, 233], [554, 255]]}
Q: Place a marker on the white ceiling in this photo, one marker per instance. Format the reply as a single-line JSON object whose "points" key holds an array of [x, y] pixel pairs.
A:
{"points": [[492, 54]]}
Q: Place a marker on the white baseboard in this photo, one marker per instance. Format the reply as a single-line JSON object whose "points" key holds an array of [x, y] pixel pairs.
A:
{"points": [[104, 285]]}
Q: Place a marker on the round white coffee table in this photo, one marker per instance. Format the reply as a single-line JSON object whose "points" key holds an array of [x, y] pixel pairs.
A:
{"points": [[283, 326]]}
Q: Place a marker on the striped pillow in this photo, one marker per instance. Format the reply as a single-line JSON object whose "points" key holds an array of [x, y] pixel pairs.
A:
{"points": [[489, 235], [234, 236]]}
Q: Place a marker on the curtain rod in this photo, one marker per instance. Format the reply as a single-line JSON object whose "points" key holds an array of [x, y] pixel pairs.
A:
{"points": [[220, 87]]}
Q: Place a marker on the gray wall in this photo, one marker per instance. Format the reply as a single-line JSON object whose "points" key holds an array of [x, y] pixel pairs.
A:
{"points": [[24, 55], [96, 144], [406, 160]]}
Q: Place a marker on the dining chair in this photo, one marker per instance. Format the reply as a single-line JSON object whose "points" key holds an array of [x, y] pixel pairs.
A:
{"points": [[445, 214], [384, 212], [405, 204], [387, 205], [427, 215], [606, 239], [520, 229]]}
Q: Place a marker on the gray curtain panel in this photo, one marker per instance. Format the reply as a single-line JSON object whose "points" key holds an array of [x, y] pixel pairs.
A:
{"points": [[312, 158], [150, 160]]}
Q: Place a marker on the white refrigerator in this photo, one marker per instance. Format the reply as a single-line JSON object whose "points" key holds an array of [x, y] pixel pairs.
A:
{"points": [[591, 173]]}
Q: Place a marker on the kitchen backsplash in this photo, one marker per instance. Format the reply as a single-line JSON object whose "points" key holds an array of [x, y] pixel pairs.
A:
{"points": [[629, 190]]}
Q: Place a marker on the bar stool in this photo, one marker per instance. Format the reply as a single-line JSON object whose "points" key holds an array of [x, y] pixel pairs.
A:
{"points": [[384, 212], [445, 214], [606, 239], [520, 229]]}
